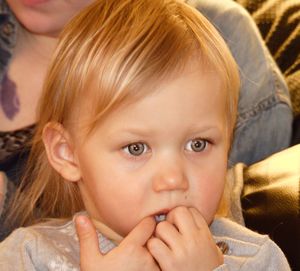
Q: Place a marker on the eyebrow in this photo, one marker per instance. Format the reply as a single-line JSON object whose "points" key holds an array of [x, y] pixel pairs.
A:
{"points": [[208, 128], [134, 131], [145, 132]]}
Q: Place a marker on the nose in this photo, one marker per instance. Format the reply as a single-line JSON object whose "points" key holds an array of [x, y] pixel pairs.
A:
{"points": [[169, 177]]}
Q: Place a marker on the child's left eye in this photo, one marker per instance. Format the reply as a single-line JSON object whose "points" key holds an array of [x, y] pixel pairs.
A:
{"points": [[197, 145], [136, 149]]}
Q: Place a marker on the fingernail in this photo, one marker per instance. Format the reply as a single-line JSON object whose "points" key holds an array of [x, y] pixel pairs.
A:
{"points": [[82, 220]]}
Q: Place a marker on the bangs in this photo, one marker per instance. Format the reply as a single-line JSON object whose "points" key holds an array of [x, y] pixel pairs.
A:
{"points": [[116, 52]]}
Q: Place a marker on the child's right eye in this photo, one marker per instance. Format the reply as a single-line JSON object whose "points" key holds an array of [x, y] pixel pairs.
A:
{"points": [[197, 145], [136, 149]]}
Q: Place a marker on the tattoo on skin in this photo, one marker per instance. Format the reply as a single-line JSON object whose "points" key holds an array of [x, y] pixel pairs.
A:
{"points": [[9, 100]]}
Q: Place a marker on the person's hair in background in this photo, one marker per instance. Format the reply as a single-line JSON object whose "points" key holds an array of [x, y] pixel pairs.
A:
{"points": [[105, 61]]}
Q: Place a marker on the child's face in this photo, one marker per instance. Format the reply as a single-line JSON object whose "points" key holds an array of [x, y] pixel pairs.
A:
{"points": [[168, 149]]}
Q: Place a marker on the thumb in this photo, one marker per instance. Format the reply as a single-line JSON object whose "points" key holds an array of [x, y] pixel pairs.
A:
{"points": [[88, 240], [141, 233]]}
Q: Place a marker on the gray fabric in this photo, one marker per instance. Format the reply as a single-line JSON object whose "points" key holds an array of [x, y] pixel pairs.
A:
{"points": [[9, 189], [233, 192], [54, 246]]}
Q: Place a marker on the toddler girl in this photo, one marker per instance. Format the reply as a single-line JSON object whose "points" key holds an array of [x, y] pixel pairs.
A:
{"points": [[135, 125]]}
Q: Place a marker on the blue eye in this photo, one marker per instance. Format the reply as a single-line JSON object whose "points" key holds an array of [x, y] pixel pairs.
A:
{"points": [[197, 145], [136, 149]]}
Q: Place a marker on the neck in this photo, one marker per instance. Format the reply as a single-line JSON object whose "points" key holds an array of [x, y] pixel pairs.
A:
{"points": [[38, 47], [107, 232]]}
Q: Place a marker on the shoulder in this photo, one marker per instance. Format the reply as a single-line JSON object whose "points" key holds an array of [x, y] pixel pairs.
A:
{"points": [[54, 228], [225, 227], [43, 246], [248, 250]]}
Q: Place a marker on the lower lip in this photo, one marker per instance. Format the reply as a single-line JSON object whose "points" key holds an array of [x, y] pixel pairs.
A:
{"points": [[33, 2]]}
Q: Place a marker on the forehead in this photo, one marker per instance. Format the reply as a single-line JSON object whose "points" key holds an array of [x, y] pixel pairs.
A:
{"points": [[191, 91], [191, 98]]}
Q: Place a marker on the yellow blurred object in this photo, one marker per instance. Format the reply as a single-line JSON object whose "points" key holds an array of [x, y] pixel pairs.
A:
{"points": [[271, 198]]}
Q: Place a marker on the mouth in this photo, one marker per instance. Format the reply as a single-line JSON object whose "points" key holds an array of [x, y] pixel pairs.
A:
{"points": [[160, 218]]}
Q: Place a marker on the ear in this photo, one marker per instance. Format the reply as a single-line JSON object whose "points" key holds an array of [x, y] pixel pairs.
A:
{"points": [[60, 151]]}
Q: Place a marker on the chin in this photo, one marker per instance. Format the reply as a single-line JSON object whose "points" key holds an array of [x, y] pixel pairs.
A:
{"points": [[41, 25], [42, 30]]}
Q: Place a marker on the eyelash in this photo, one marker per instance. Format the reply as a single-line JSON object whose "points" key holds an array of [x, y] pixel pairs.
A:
{"points": [[196, 140], [130, 148]]}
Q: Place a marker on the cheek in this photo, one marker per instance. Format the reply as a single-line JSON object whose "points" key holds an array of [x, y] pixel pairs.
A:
{"points": [[114, 197], [121, 211], [207, 190]]}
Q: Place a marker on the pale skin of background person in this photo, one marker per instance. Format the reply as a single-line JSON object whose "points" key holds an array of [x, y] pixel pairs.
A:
{"points": [[167, 176], [36, 41]]}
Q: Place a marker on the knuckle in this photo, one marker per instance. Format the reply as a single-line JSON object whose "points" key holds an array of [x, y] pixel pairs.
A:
{"points": [[152, 244], [180, 211], [160, 228], [84, 236]]}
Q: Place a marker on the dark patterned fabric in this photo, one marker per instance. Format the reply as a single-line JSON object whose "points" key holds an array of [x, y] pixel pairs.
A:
{"points": [[279, 23], [14, 141], [12, 156]]}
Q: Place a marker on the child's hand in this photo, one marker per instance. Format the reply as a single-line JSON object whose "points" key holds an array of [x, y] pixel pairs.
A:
{"points": [[130, 255], [184, 242]]}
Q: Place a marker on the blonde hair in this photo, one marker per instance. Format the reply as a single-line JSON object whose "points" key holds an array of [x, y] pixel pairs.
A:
{"points": [[113, 52]]}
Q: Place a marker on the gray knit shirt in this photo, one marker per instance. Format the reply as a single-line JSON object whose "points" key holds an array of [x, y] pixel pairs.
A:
{"points": [[54, 246]]}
